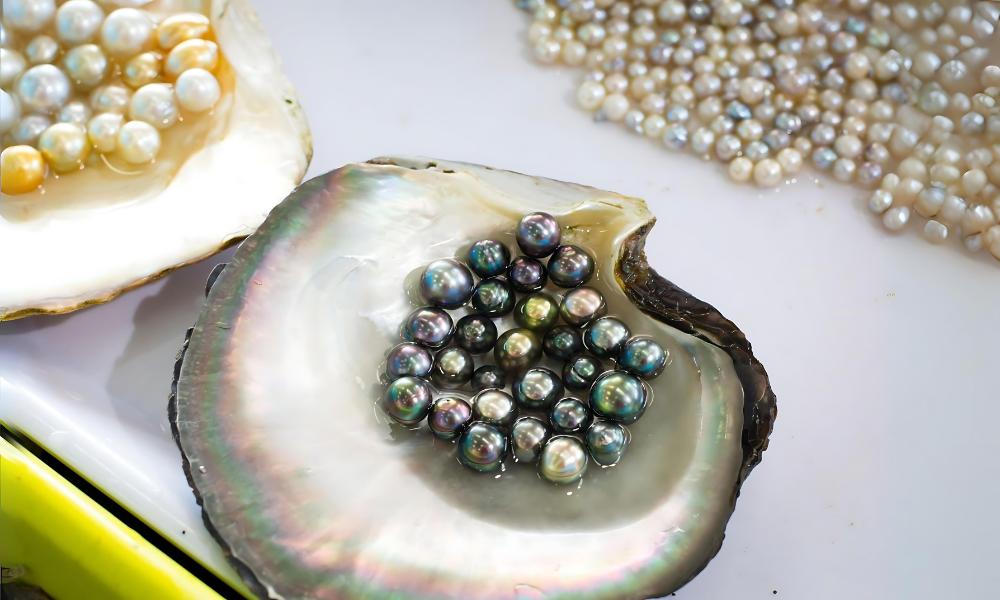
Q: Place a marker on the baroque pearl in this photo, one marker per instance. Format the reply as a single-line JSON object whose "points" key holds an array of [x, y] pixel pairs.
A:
{"points": [[569, 415], [643, 356], [607, 441], [138, 142], [537, 388], [448, 417], [562, 342], [538, 234], [488, 258], [527, 437], [488, 376], [64, 146], [180, 27], [43, 88], [407, 400], [516, 350], [495, 407], [563, 460], [142, 68], [154, 103], [476, 333], [570, 266], [408, 360], [77, 21], [446, 283], [428, 326], [453, 367], [191, 54], [618, 396], [493, 297], [527, 274], [482, 447], [22, 169], [126, 32], [537, 311]]}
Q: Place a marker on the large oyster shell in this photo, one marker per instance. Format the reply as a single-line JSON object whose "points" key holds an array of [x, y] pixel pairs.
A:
{"points": [[313, 495], [88, 236]]}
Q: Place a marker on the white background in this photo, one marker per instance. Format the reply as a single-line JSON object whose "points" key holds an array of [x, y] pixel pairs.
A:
{"points": [[881, 480]]}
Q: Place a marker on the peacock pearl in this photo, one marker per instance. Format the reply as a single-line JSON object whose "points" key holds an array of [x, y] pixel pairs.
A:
{"points": [[527, 437], [489, 258], [581, 371], [582, 305], [453, 367], [607, 441], [446, 283], [527, 274], [563, 460], [606, 336], [488, 376], [427, 326], [562, 342], [43, 88], [482, 447], [493, 297], [643, 356], [618, 396], [408, 360], [517, 350], [537, 388], [538, 234], [570, 266], [495, 407], [407, 400], [448, 417], [569, 415], [537, 311], [476, 333]]}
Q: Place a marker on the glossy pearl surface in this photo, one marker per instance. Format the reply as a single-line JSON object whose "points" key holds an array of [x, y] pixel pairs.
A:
{"points": [[12, 64], [489, 258], [517, 350], [488, 376], [64, 146], [407, 400], [142, 69], [138, 142], [537, 388], [606, 336], [562, 342], [154, 103], [482, 447], [581, 371], [538, 234], [476, 333], [408, 360], [78, 21], [570, 266], [191, 54], [110, 98], [27, 130], [607, 441], [563, 460], [85, 65], [538, 311], [495, 407], [43, 88], [569, 415], [448, 417], [643, 356], [197, 90], [28, 15], [582, 305], [527, 437], [22, 169], [183, 26], [453, 367], [428, 326], [41, 49], [126, 31], [446, 283], [9, 112], [618, 396], [527, 274], [493, 297]]}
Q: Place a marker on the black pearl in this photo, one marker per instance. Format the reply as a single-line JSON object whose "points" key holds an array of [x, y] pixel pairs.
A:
{"points": [[569, 415], [581, 371], [527, 274], [482, 447], [446, 283], [563, 460], [408, 359], [489, 258], [448, 417], [607, 441], [476, 333], [428, 326], [643, 356], [582, 305], [452, 367], [618, 396], [538, 234], [538, 311], [517, 350], [606, 336], [527, 437], [570, 266], [562, 342], [493, 297], [407, 400], [537, 388], [488, 376], [495, 407]]}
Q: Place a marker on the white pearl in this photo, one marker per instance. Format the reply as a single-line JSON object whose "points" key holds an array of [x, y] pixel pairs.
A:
{"points": [[110, 98], [615, 83], [973, 181], [913, 168], [43, 88], [790, 160], [952, 211], [103, 131], [848, 146], [77, 21], [28, 15], [880, 201], [973, 243], [10, 112], [977, 219], [935, 232], [538, 31], [197, 90], [75, 112], [64, 146], [41, 49], [138, 142], [27, 130], [546, 51], [154, 103], [12, 64], [573, 53], [857, 65], [844, 169], [896, 218], [590, 95], [991, 239], [767, 173], [653, 126], [126, 31], [702, 140], [741, 169], [929, 201], [86, 65], [614, 107]]}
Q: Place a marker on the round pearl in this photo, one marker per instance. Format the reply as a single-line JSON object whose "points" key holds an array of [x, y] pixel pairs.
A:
{"points": [[896, 218], [404, 360], [562, 342], [493, 297], [741, 169], [453, 367], [482, 447], [154, 103], [195, 54], [590, 95], [476, 333], [75, 112], [537, 311], [569, 415], [614, 107], [407, 400], [427, 326], [790, 160], [570, 266], [526, 274], [446, 283], [138, 142], [43, 88], [448, 416], [126, 31], [495, 407], [64, 146], [487, 258], [644, 357], [582, 305], [537, 388], [27, 130], [581, 371], [607, 442], [606, 336], [12, 64], [10, 112], [180, 27], [142, 69], [538, 234], [21, 169], [41, 49], [28, 15], [563, 460], [767, 173], [516, 350], [110, 98], [618, 396], [488, 376], [527, 437], [880, 201], [85, 65], [844, 169], [77, 21]]}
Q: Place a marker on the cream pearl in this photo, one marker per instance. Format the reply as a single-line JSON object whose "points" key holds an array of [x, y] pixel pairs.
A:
{"points": [[615, 106], [590, 95], [75, 112], [185, 26], [126, 31], [42, 49], [102, 131], [110, 98], [43, 88], [741, 169], [27, 130], [880, 201], [896, 218], [142, 68], [767, 173], [12, 64], [977, 219], [138, 142], [653, 126], [935, 232], [197, 90], [790, 160], [77, 21], [28, 15], [10, 112], [64, 147], [154, 103], [86, 65]]}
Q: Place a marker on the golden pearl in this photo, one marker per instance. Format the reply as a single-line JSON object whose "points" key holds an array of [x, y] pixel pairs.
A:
{"points": [[21, 169], [181, 27], [64, 146], [142, 69], [190, 54]]}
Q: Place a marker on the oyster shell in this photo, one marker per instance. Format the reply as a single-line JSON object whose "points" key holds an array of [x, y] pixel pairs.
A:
{"points": [[86, 237], [314, 495]]}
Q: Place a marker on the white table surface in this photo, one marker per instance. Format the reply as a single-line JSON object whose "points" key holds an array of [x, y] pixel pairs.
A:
{"points": [[881, 480]]}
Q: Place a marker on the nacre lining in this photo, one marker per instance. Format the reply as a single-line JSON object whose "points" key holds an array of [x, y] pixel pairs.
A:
{"points": [[288, 339]]}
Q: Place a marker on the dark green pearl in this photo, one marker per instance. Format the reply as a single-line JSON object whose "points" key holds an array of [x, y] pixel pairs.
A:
{"points": [[493, 297], [563, 460], [527, 438], [618, 396], [569, 415], [537, 388], [448, 417], [495, 407], [488, 258], [482, 447], [581, 371], [488, 376], [562, 342], [517, 350], [643, 356], [476, 333], [570, 266], [606, 336], [607, 441], [537, 311], [407, 400], [453, 367]]}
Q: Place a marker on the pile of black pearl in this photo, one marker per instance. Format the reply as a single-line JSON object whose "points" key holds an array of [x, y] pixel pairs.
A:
{"points": [[539, 421]]}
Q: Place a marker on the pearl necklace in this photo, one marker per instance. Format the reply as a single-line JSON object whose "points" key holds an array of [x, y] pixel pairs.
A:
{"points": [[902, 98]]}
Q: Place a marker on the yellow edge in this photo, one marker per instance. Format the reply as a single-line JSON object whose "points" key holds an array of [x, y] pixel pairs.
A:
{"points": [[71, 547]]}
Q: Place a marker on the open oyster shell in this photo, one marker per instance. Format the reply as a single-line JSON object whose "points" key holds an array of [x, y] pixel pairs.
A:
{"points": [[313, 493], [88, 236]]}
